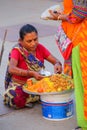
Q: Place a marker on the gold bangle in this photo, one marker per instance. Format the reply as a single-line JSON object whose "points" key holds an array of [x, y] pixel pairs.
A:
{"points": [[20, 73], [27, 72], [24, 72]]}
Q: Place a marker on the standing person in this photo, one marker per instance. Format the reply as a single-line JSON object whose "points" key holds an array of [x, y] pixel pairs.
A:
{"points": [[26, 59], [74, 28]]}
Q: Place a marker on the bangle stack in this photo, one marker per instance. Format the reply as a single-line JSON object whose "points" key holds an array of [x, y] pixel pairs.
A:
{"points": [[24, 72]]}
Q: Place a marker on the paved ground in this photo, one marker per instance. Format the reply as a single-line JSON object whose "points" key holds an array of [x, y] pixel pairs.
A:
{"points": [[13, 14]]}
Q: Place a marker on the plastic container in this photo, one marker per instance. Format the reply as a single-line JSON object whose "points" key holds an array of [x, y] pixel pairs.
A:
{"points": [[57, 107]]}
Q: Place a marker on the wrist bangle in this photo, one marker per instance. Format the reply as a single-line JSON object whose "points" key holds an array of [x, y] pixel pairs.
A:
{"points": [[20, 72], [27, 72]]}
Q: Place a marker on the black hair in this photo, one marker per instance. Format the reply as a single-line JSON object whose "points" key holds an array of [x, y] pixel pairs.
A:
{"points": [[27, 29]]}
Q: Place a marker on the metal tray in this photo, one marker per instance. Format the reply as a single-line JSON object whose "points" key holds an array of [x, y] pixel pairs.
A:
{"points": [[49, 93], [46, 93]]}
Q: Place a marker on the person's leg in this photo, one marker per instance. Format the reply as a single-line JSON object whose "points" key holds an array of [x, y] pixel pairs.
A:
{"points": [[16, 98], [78, 128]]}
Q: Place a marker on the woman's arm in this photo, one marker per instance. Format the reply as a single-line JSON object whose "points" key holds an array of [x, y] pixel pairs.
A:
{"points": [[13, 69], [57, 64], [58, 16]]}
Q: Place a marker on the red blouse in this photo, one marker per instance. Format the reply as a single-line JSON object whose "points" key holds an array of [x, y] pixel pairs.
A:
{"points": [[41, 53]]}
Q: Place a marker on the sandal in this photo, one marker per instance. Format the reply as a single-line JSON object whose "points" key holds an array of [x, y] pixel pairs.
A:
{"points": [[77, 128]]}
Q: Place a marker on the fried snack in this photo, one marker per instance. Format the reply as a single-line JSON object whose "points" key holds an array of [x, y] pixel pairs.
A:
{"points": [[54, 83], [62, 82]]}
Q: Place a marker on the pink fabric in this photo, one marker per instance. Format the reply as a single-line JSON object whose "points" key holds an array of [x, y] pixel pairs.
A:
{"points": [[64, 43], [41, 53]]}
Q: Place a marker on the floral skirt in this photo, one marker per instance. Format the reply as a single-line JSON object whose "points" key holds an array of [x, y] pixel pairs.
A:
{"points": [[15, 97]]}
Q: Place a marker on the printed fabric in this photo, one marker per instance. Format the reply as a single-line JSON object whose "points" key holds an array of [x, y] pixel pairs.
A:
{"points": [[64, 43], [65, 46], [15, 97], [32, 62]]}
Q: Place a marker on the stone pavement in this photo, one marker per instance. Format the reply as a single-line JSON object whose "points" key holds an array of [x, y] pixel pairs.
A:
{"points": [[13, 14]]}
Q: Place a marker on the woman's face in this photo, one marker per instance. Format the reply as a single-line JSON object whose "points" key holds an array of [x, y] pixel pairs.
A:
{"points": [[30, 41], [74, 19]]}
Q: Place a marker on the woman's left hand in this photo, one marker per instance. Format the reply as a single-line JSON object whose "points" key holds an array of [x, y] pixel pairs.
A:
{"points": [[58, 68]]}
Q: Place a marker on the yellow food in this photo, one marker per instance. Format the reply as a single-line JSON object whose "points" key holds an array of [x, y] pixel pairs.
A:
{"points": [[54, 83]]}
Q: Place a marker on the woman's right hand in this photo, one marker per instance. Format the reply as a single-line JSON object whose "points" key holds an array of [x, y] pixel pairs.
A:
{"points": [[37, 75]]}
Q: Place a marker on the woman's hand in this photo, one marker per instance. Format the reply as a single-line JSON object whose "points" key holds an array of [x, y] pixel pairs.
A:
{"points": [[58, 68], [37, 75], [54, 15], [58, 15], [63, 17]]}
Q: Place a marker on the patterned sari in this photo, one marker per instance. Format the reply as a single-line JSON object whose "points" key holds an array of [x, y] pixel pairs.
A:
{"points": [[14, 95]]}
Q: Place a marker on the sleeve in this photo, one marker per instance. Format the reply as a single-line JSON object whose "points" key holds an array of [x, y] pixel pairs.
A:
{"points": [[44, 51], [15, 54]]}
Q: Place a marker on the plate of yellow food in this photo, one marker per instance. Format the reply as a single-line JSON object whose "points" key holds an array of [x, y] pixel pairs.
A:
{"points": [[55, 84]]}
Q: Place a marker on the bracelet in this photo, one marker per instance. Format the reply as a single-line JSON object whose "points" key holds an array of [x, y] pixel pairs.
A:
{"points": [[24, 73], [20, 72], [27, 71]]}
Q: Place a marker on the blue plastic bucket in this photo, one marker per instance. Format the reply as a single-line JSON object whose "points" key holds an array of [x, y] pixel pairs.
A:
{"points": [[57, 107]]}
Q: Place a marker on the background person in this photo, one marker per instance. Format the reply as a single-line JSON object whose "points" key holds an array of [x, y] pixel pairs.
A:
{"points": [[74, 25]]}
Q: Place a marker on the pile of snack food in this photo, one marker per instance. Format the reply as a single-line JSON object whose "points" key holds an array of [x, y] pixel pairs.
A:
{"points": [[54, 83]]}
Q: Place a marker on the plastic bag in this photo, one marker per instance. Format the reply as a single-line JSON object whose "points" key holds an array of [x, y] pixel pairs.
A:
{"points": [[46, 15]]}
